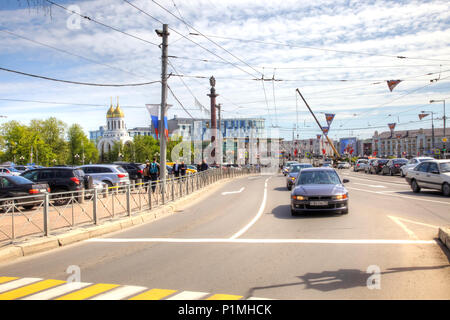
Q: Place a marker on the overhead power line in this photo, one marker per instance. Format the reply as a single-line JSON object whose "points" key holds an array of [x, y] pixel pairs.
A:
{"points": [[212, 41], [323, 49], [102, 24], [185, 37], [79, 83], [70, 53]]}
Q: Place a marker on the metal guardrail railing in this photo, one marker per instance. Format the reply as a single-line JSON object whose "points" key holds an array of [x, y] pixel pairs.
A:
{"points": [[40, 215]]}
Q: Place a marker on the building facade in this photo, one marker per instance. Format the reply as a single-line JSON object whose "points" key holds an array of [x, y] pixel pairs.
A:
{"points": [[408, 143]]}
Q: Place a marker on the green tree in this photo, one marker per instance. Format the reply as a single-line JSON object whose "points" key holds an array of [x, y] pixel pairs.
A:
{"points": [[78, 146]]}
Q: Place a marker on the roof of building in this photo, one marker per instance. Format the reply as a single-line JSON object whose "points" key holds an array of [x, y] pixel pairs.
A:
{"points": [[411, 133]]}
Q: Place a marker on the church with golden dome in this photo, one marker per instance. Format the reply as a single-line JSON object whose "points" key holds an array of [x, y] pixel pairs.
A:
{"points": [[115, 130]]}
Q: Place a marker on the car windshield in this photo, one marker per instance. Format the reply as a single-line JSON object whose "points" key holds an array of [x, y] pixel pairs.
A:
{"points": [[19, 180], [424, 159], [445, 167], [318, 177]]}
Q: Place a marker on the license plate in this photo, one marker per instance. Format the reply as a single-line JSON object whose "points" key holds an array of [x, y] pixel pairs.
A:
{"points": [[318, 203]]}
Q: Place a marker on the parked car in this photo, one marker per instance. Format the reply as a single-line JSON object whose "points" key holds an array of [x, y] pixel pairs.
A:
{"points": [[17, 186], [343, 165], [59, 179], [393, 166], [360, 165], [412, 163], [319, 189], [369, 165], [111, 174], [135, 170], [431, 174], [9, 170], [23, 168], [293, 173], [377, 166], [191, 169]]}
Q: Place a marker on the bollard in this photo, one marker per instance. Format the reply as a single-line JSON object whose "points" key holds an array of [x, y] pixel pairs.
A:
{"points": [[173, 190], [94, 207], [149, 192], [46, 222], [128, 201]]}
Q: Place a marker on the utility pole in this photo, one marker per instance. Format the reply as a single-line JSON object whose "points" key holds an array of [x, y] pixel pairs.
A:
{"points": [[162, 130]]}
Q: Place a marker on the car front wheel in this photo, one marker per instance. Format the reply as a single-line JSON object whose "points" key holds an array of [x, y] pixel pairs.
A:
{"points": [[415, 187]]}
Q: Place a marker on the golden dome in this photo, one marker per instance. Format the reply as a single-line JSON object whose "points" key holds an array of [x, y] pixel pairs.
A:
{"points": [[118, 113], [110, 112]]}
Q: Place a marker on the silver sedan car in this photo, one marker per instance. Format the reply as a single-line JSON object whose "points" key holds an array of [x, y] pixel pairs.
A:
{"points": [[319, 190]]}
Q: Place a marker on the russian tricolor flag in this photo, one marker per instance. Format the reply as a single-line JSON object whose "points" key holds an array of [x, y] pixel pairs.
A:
{"points": [[153, 109]]}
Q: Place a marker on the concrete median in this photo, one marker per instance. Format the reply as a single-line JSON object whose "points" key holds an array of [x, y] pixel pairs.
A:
{"points": [[444, 236]]}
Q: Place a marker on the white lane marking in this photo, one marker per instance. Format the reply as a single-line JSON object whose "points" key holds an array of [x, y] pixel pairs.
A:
{"points": [[232, 192], [259, 241], [258, 215], [17, 283], [399, 196], [419, 223], [369, 185], [58, 291], [120, 293], [366, 179], [189, 295], [411, 234]]}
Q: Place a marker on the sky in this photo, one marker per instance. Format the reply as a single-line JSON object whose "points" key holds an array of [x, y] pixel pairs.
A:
{"points": [[338, 54]]}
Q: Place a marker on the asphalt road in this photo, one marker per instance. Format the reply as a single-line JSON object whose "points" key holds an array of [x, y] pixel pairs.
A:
{"points": [[242, 240]]}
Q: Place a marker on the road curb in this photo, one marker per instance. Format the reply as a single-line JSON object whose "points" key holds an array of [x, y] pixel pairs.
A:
{"points": [[34, 246], [444, 236]]}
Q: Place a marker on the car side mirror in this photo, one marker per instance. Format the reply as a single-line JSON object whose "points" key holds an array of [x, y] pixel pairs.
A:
{"points": [[345, 181]]}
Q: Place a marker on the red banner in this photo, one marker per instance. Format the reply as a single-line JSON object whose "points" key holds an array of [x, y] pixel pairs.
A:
{"points": [[423, 115], [393, 83]]}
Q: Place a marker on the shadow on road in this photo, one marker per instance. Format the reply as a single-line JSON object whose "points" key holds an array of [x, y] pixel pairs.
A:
{"points": [[423, 193], [282, 189], [284, 212], [340, 279]]}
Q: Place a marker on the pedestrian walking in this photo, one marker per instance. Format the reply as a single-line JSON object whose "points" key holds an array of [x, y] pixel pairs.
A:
{"points": [[204, 166], [154, 173], [146, 174], [183, 169], [176, 169]]}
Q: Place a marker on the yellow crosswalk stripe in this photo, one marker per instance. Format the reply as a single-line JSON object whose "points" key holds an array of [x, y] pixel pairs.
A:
{"points": [[6, 279], [153, 294], [88, 292], [224, 297], [32, 288]]}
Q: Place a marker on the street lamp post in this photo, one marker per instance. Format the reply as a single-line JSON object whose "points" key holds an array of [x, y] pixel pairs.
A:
{"points": [[443, 101], [432, 127]]}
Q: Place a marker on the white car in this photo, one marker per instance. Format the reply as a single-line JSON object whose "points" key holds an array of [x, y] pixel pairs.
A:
{"points": [[360, 165], [431, 174], [412, 163], [343, 165], [10, 171]]}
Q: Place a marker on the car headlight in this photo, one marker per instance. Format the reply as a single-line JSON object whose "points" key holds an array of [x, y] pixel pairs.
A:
{"points": [[341, 197], [299, 198]]}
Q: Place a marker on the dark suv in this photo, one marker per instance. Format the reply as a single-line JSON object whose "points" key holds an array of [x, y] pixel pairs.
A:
{"points": [[377, 166], [393, 166], [59, 179], [135, 170]]}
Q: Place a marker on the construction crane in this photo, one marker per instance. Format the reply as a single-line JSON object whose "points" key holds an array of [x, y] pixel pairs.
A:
{"points": [[336, 156]]}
